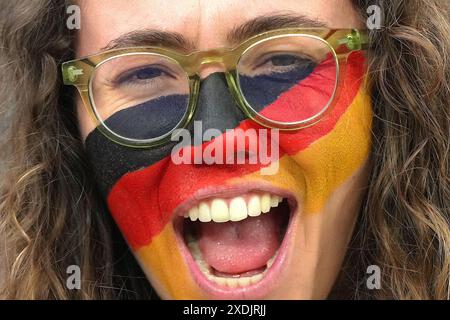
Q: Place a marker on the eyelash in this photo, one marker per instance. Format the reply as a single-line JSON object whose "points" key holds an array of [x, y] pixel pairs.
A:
{"points": [[305, 59], [129, 77]]}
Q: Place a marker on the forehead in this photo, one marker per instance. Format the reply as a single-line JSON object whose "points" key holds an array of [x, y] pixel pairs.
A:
{"points": [[204, 23]]}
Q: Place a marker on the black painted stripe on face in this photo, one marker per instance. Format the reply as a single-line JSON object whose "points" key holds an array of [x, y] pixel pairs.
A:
{"points": [[216, 109], [260, 91], [150, 119]]}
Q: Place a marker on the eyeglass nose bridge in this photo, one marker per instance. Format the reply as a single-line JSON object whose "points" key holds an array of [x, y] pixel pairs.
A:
{"points": [[212, 60], [220, 60], [211, 65]]}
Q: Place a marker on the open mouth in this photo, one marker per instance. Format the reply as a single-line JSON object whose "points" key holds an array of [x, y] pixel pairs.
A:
{"points": [[236, 243]]}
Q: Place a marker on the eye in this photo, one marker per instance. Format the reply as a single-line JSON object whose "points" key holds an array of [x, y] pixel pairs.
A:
{"points": [[141, 75], [288, 62], [284, 62]]}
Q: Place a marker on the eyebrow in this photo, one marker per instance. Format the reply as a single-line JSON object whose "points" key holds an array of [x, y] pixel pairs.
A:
{"points": [[267, 23], [150, 37], [238, 34]]}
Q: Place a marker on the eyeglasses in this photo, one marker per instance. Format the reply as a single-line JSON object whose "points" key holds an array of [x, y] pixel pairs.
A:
{"points": [[285, 79]]}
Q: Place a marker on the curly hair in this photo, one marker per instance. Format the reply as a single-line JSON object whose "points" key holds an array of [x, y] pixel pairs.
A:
{"points": [[51, 215]]}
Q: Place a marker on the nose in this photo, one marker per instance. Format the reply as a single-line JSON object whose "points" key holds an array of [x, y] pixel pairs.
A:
{"points": [[216, 107], [211, 66]]}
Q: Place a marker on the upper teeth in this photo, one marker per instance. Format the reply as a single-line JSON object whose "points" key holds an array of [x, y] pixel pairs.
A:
{"points": [[234, 209]]}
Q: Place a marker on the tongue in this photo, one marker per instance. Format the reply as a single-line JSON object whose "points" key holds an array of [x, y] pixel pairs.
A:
{"points": [[239, 247]]}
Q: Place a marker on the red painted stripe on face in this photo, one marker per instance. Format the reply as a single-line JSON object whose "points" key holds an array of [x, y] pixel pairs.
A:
{"points": [[142, 202]]}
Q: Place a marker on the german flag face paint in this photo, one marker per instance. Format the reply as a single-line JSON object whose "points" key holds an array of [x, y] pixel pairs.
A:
{"points": [[149, 195]]}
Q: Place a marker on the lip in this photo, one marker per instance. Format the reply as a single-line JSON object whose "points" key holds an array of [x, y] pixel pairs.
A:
{"points": [[273, 274]]}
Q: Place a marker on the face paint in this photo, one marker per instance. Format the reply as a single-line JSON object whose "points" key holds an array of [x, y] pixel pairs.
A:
{"points": [[143, 187], [310, 85], [150, 119]]}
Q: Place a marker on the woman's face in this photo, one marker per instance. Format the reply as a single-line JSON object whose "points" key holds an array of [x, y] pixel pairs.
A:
{"points": [[293, 251]]}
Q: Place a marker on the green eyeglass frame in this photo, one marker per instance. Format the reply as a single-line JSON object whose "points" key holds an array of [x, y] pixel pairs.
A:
{"points": [[341, 43]]}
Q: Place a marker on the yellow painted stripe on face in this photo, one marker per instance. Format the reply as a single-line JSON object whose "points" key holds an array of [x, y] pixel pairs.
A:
{"points": [[315, 172], [164, 265]]}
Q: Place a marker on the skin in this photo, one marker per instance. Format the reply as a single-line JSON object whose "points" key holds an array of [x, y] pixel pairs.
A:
{"points": [[327, 177]]}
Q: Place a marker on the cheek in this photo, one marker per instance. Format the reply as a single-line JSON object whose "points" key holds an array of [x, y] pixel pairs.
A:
{"points": [[315, 171], [329, 162], [166, 269]]}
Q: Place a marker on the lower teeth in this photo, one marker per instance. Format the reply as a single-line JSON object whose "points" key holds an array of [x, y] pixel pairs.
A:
{"points": [[231, 282]]}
